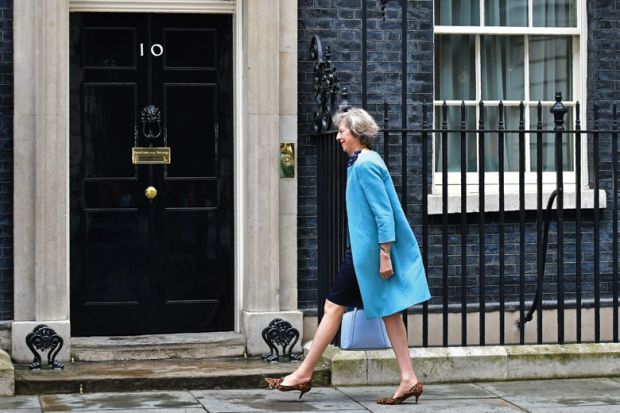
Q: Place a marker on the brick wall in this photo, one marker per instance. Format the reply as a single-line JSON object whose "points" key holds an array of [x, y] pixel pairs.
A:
{"points": [[603, 85], [338, 23], [6, 159]]}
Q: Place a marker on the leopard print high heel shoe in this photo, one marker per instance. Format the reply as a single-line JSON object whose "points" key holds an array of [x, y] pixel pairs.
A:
{"points": [[416, 390], [276, 383]]}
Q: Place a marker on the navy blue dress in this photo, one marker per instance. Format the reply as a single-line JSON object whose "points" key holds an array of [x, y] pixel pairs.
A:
{"points": [[346, 291]]}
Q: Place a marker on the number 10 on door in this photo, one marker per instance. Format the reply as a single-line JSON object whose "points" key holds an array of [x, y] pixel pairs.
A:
{"points": [[156, 49]]}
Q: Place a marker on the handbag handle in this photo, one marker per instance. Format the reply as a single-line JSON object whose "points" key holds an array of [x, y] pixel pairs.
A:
{"points": [[352, 332]]}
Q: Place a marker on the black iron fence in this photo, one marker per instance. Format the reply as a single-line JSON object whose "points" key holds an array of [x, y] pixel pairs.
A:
{"points": [[453, 292]]}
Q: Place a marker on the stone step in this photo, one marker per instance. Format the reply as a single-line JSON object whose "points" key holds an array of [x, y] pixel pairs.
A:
{"points": [[138, 375], [158, 346], [476, 363]]}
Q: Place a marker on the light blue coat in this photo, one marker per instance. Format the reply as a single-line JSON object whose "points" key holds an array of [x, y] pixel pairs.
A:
{"points": [[375, 216]]}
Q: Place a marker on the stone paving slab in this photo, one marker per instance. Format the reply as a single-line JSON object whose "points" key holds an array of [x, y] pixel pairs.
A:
{"points": [[323, 399], [190, 410], [580, 409], [433, 406], [19, 402], [444, 391], [170, 401], [538, 395], [465, 397]]}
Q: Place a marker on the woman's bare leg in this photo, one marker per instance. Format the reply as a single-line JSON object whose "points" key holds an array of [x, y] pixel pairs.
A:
{"points": [[398, 336], [328, 327]]}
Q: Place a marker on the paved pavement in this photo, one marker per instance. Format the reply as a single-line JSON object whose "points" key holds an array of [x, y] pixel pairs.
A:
{"points": [[547, 396]]}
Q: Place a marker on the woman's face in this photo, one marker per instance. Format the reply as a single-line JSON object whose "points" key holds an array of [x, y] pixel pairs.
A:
{"points": [[348, 141]]}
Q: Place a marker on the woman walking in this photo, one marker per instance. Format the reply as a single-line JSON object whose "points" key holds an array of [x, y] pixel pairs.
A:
{"points": [[382, 271]]}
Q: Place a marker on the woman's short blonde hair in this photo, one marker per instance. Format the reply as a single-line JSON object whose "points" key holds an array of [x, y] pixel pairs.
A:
{"points": [[360, 123]]}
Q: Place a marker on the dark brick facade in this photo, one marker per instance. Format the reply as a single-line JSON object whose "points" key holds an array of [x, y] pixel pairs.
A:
{"points": [[603, 86], [6, 159], [338, 23]]}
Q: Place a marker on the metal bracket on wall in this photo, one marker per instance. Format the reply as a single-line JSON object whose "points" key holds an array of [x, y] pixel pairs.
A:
{"points": [[326, 86], [44, 338], [280, 333]]}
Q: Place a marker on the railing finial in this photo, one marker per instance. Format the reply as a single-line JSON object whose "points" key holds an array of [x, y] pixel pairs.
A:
{"points": [[558, 110]]}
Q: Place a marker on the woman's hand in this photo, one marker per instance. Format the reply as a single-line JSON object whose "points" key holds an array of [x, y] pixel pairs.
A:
{"points": [[385, 263]]}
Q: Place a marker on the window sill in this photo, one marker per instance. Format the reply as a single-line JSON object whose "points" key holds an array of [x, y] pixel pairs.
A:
{"points": [[511, 201]]}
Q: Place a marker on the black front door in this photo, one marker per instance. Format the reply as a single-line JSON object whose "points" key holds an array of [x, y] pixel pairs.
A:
{"points": [[156, 261]]}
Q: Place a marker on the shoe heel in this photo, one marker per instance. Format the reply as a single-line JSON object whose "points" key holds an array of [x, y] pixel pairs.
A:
{"points": [[419, 393], [306, 387]]}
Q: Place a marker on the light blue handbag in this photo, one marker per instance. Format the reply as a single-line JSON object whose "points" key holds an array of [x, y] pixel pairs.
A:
{"points": [[359, 333]]}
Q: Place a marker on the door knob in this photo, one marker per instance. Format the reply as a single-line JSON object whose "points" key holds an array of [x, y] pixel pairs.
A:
{"points": [[150, 192]]}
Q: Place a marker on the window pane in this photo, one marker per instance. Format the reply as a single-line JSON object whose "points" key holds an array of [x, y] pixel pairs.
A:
{"points": [[511, 141], [555, 13], [551, 67], [505, 13], [454, 139], [502, 67], [457, 12], [548, 141], [455, 69]]}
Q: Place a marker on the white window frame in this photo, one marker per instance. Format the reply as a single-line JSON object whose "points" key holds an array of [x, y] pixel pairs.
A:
{"points": [[579, 61]]}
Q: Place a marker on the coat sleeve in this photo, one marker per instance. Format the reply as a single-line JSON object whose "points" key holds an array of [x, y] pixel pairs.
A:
{"points": [[370, 177]]}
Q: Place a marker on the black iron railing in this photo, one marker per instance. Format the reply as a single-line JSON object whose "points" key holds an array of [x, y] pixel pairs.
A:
{"points": [[332, 226], [553, 282]]}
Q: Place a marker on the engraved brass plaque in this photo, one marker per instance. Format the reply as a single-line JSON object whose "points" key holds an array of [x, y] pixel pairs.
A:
{"points": [[146, 156]]}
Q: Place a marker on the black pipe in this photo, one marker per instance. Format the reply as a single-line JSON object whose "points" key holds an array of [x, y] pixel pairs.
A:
{"points": [[536, 303], [404, 118], [386, 135], [364, 54]]}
